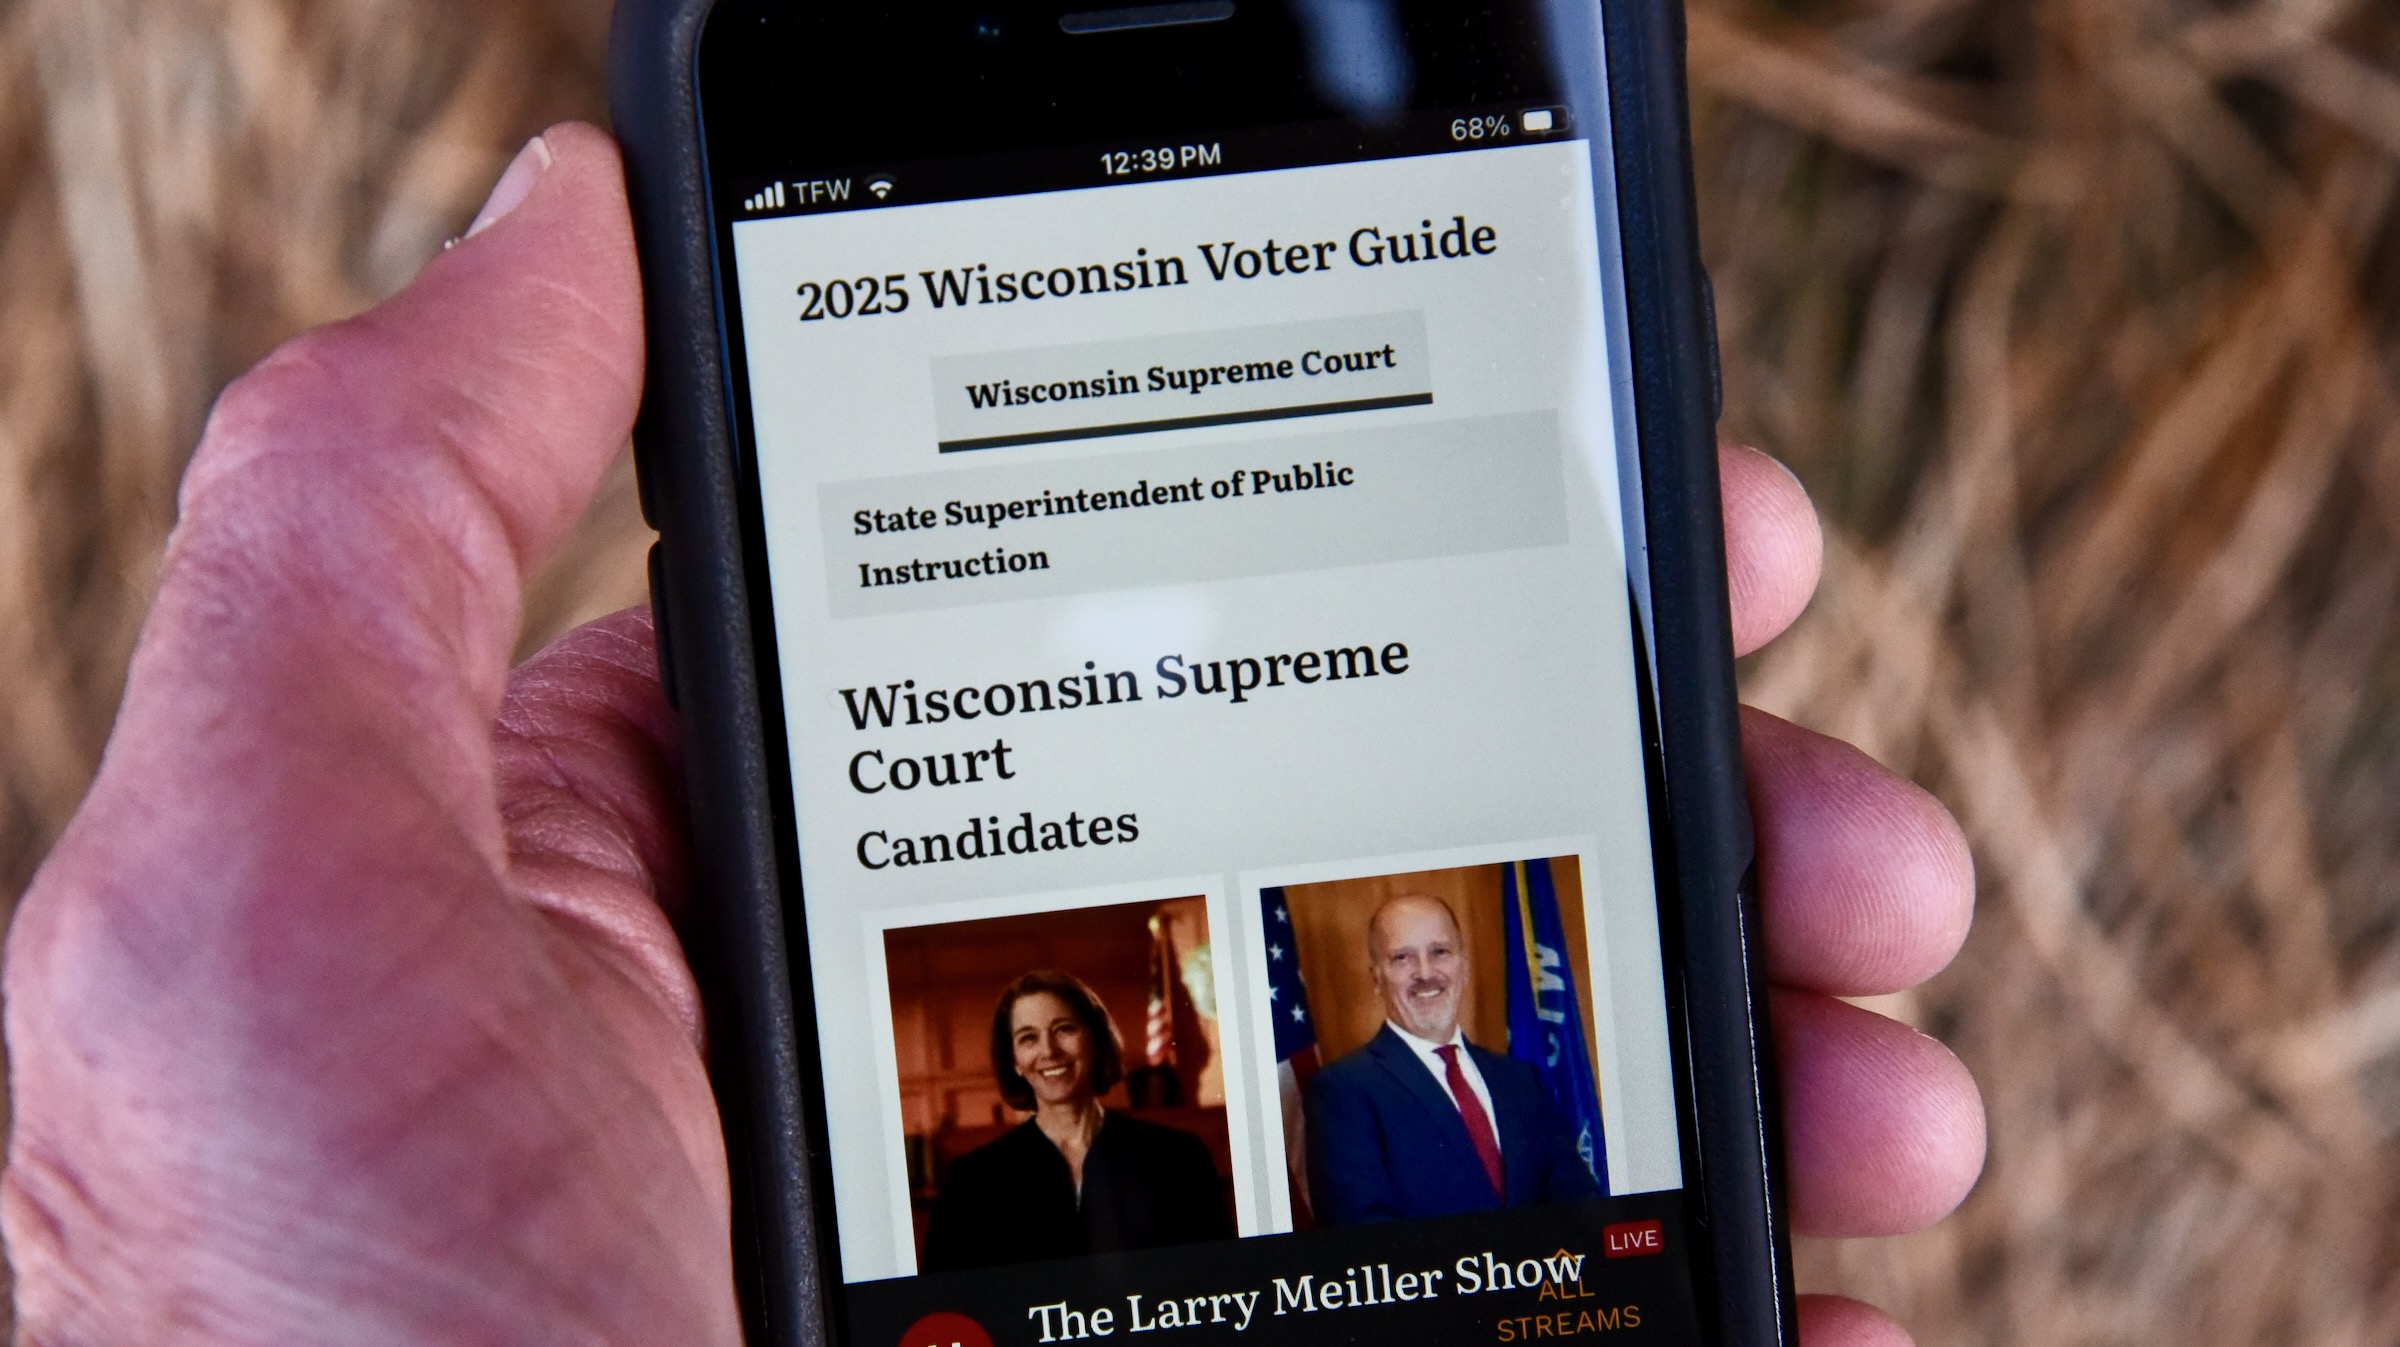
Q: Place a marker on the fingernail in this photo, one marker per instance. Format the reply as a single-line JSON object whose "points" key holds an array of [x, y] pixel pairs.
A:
{"points": [[514, 186]]}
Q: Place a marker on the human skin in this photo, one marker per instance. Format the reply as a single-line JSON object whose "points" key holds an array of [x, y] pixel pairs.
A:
{"points": [[1412, 947], [1054, 1055], [350, 1006], [1053, 1052]]}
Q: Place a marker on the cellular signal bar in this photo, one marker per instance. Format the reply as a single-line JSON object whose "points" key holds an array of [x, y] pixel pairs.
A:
{"points": [[770, 199]]}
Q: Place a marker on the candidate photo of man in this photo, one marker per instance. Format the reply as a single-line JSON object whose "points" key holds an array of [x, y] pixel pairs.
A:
{"points": [[1419, 1119]]}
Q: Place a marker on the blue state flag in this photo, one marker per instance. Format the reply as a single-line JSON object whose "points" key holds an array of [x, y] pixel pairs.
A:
{"points": [[1545, 1018]]}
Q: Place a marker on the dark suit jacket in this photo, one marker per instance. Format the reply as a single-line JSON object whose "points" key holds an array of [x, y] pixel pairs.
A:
{"points": [[1013, 1201], [1385, 1142]]}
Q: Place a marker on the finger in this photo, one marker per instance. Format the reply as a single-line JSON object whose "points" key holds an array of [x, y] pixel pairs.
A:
{"points": [[1773, 547], [1834, 1321], [1865, 881], [300, 775], [1883, 1128], [587, 760], [274, 971], [364, 505]]}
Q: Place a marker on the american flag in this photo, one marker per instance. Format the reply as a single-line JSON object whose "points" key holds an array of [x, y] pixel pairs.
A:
{"points": [[1295, 1041], [1287, 996]]}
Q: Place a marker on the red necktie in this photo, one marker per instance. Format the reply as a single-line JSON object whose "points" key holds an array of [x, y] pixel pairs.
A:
{"points": [[1479, 1123]]}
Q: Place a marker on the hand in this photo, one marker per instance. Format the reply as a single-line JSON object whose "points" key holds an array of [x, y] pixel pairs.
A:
{"points": [[335, 1016], [1866, 888], [340, 1015]]}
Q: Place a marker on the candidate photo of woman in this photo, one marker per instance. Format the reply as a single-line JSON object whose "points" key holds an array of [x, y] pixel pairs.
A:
{"points": [[1076, 1178], [1036, 1131]]}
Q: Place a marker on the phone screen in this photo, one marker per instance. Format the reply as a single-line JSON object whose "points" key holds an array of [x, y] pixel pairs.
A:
{"points": [[1214, 700]]}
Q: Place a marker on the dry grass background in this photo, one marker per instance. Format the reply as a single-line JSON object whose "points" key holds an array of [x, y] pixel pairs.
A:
{"points": [[2078, 316]]}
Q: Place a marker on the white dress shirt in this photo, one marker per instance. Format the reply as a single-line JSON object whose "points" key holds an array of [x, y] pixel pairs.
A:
{"points": [[1425, 1050]]}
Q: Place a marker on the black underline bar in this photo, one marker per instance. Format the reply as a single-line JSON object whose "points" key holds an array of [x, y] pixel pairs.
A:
{"points": [[1186, 423]]}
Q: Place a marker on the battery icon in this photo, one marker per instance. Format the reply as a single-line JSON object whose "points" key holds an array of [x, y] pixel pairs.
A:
{"points": [[1537, 121]]}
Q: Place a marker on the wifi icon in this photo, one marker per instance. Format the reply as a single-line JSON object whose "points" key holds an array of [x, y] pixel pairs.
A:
{"points": [[881, 185]]}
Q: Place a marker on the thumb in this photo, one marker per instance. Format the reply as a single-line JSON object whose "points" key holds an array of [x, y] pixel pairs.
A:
{"points": [[357, 524], [282, 1049]]}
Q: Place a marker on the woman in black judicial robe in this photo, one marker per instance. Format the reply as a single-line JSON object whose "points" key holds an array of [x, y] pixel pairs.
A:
{"points": [[1075, 1178]]}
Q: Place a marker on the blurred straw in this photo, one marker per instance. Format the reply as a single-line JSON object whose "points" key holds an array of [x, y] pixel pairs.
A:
{"points": [[2078, 317]]}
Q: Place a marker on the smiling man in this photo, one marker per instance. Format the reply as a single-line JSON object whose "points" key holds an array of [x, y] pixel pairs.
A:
{"points": [[1419, 1121]]}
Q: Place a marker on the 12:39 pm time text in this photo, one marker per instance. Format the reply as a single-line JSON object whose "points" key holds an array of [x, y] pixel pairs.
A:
{"points": [[1160, 159]]}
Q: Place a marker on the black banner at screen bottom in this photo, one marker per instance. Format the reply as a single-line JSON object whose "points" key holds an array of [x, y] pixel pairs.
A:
{"points": [[1605, 1272]]}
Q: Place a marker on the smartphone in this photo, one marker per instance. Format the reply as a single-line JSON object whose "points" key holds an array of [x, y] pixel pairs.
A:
{"points": [[1190, 562]]}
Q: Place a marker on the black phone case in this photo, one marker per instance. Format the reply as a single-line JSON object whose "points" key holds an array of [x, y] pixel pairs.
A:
{"points": [[691, 488]]}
